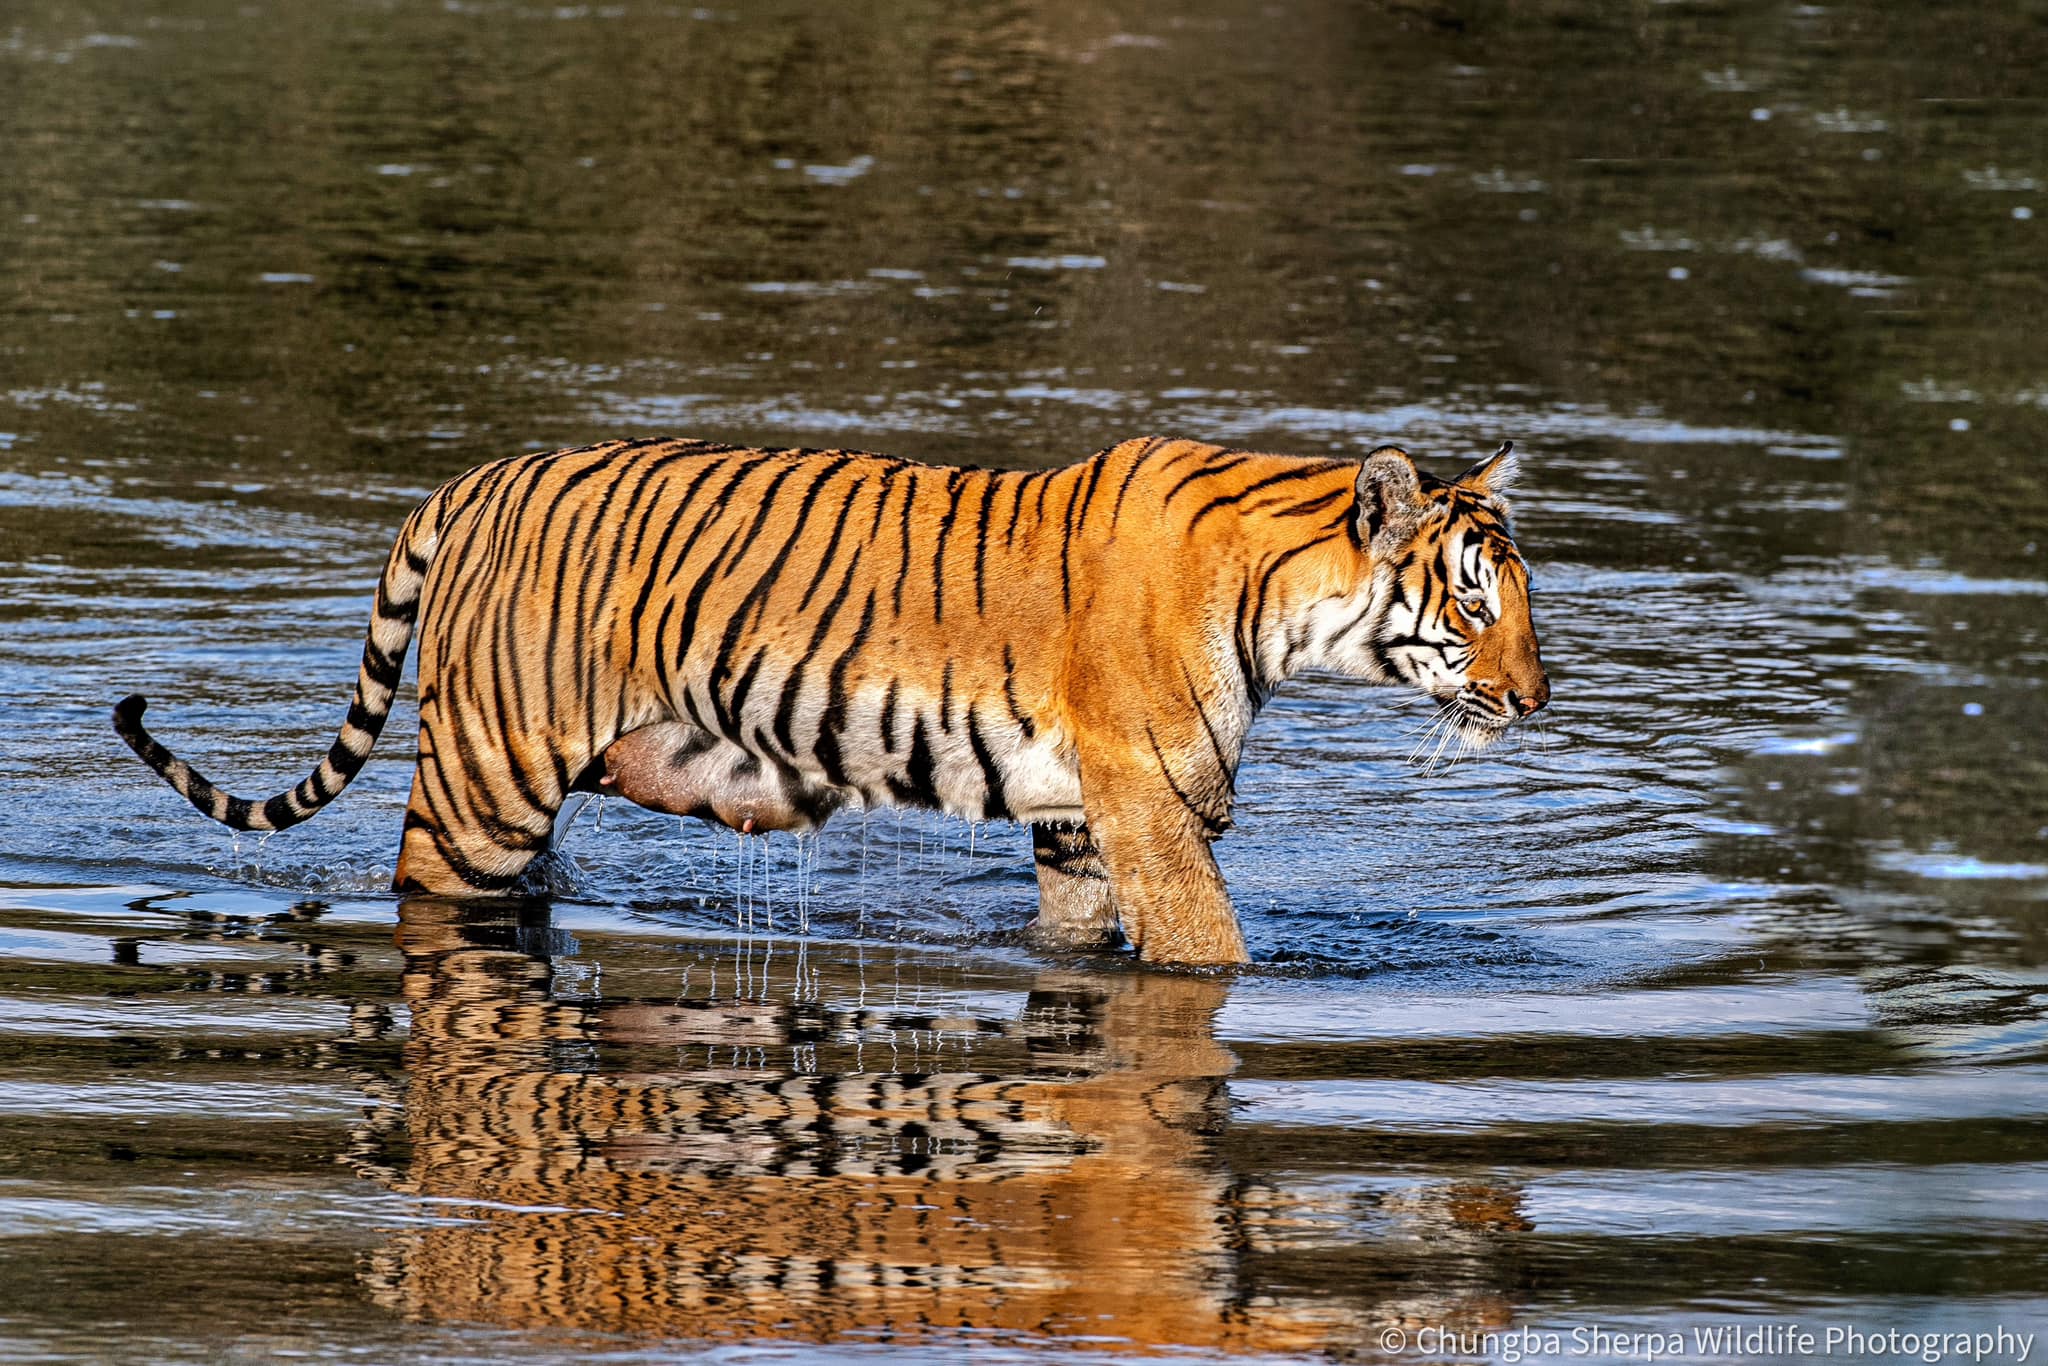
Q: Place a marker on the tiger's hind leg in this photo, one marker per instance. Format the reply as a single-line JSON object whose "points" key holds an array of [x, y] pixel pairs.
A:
{"points": [[1075, 908], [478, 816]]}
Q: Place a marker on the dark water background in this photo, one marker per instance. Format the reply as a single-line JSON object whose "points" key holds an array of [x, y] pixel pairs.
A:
{"points": [[1719, 999]]}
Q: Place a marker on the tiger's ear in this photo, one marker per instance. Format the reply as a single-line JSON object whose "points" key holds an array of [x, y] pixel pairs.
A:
{"points": [[1390, 501], [1494, 475]]}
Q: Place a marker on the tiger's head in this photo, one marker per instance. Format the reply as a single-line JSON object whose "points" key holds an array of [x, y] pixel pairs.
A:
{"points": [[1446, 599]]}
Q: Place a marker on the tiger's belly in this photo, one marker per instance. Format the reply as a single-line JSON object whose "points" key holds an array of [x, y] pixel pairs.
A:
{"points": [[966, 767], [677, 768]]}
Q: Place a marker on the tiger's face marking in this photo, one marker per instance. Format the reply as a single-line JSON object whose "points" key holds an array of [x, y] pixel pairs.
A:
{"points": [[1445, 608]]}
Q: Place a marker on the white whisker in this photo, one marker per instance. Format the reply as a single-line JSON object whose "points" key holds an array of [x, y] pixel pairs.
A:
{"points": [[1431, 729], [1442, 740], [1537, 736], [1439, 727], [1428, 723]]}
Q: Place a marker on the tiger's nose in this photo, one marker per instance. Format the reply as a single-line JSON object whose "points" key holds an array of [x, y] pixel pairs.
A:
{"points": [[1529, 703]]}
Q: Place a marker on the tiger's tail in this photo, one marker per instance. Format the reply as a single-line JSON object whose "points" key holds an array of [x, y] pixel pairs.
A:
{"points": [[384, 649]]}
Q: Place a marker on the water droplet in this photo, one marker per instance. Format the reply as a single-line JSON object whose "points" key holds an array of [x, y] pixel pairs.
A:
{"points": [[1959, 424], [1973, 708]]}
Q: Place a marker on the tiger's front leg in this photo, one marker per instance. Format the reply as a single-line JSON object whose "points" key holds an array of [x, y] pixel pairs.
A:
{"points": [[1154, 832], [1075, 908]]}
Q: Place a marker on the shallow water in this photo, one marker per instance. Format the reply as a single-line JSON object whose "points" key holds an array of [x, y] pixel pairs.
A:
{"points": [[1718, 997]]}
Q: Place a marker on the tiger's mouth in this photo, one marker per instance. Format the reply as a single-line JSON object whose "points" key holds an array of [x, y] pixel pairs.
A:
{"points": [[1478, 720], [1479, 726], [1464, 724]]}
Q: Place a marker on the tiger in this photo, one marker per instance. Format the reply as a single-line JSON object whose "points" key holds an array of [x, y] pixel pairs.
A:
{"points": [[764, 636]]}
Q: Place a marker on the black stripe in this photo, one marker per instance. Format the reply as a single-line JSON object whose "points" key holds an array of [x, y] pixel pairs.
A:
{"points": [[1287, 476], [389, 610], [1279, 562], [624, 547], [1312, 505], [696, 716], [1202, 713], [1077, 508], [471, 876], [686, 629], [1360, 620], [889, 719], [993, 807], [903, 564], [312, 794], [475, 772], [1067, 849], [716, 505], [831, 548], [988, 498], [721, 668], [647, 570], [1080, 518], [833, 722], [1384, 656], [382, 668], [1137, 463], [761, 516], [1245, 641], [1024, 723], [1209, 823], [785, 710], [1066, 549], [559, 612], [882, 499], [737, 709], [345, 762], [955, 484], [755, 605], [662, 654], [1434, 581], [916, 787], [1401, 567], [1017, 483], [1205, 472], [500, 519]]}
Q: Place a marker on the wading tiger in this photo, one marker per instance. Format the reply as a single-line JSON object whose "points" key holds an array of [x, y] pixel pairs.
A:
{"points": [[762, 636]]}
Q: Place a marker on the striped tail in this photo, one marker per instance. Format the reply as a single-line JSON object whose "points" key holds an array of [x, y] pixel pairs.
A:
{"points": [[389, 637]]}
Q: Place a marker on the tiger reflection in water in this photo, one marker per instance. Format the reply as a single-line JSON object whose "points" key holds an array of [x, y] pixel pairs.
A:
{"points": [[1075, 1191]]}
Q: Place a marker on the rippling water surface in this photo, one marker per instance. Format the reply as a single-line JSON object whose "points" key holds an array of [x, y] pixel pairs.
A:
{"points": [[1717, 998]]}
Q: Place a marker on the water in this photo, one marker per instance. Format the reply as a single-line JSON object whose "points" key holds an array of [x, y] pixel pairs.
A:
{"points": [[1719, 998]]}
